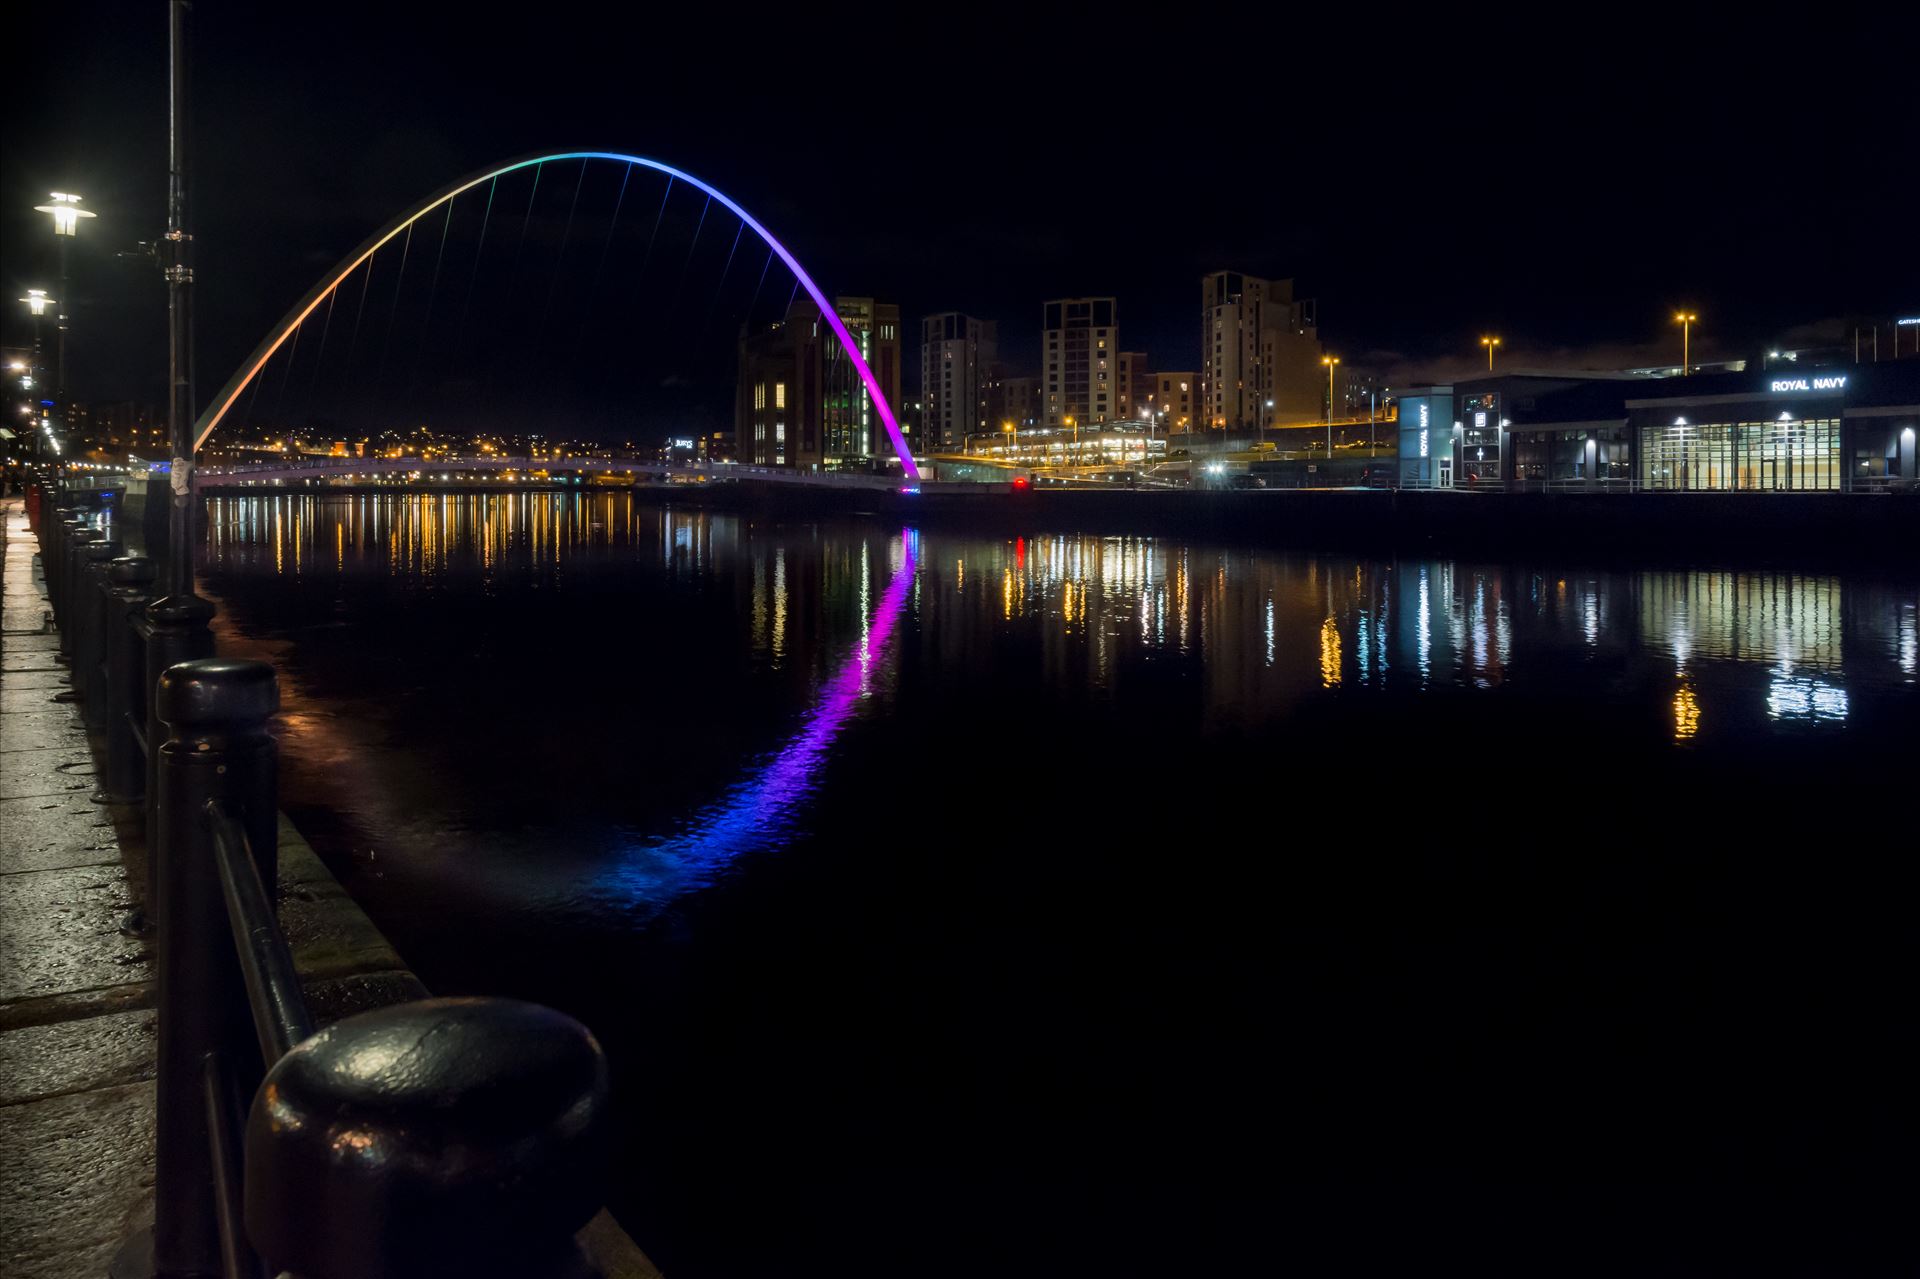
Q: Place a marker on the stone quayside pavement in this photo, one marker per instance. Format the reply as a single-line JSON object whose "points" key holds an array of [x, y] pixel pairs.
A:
{"points": [[77, 981]]}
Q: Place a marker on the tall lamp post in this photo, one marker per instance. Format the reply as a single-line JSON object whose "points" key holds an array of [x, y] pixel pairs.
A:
{"points": [[184, 1240], [1330, 361], [1489, 343], [67, 214], [1685, 319], [1263, 421], [37, 303]]}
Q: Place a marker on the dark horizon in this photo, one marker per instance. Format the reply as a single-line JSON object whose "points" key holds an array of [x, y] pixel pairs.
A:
{"points": [[1458, 182]]}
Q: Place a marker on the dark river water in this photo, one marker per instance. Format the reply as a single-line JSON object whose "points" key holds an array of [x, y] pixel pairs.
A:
{"points": [[1094, 905]]}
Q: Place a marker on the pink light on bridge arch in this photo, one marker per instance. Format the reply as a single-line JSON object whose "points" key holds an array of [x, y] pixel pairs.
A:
{"points": [[222, 402]]}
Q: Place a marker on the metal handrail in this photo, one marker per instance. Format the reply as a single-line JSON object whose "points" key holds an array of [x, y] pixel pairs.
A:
{"points": [[225, 1120], [280, 1016]]}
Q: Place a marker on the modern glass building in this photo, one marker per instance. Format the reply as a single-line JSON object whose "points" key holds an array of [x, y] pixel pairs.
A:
{"points": [[1822, 430], [1832, 429]]}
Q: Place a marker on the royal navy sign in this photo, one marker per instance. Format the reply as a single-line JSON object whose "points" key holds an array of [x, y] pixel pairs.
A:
{"points": [[1833, 382]]}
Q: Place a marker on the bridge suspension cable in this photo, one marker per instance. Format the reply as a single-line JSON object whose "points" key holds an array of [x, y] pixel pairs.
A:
{"points": [[289, 325]]}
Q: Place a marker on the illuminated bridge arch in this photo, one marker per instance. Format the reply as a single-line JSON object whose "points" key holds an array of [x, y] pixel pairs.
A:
{"points": [[230, 393]]}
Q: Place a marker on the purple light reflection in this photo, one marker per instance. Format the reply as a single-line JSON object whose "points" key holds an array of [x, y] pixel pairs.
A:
{"points": [[758, 813]]}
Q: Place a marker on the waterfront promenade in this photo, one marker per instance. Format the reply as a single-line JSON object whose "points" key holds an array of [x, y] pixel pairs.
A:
{"points": [[77, 996], [76, 991]]}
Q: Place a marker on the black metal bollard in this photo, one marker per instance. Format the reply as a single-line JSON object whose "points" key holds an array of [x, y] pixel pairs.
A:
{"points": [[71, 571], [446, 1136], [130, 585], [49, 530], [53, 560], [218, 749], [74, 526], [175, 631], [90, 645]]}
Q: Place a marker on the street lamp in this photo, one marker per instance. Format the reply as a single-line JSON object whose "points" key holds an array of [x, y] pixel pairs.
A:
{"points": [[1489, 343], [1330, 361], [1263, 421], [1076, 439], [66, 213], [1685, 319], [1013, 438]]}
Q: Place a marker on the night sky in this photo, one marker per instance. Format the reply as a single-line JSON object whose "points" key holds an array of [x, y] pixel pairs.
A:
{"points": [[1427, 182]]}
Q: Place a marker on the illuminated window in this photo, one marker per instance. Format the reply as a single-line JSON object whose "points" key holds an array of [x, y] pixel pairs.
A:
{"points": [[759, 395], [779, 395]]}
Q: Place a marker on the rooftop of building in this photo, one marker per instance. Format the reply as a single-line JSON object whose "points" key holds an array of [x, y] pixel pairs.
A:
{"points": [[1584, 395]]}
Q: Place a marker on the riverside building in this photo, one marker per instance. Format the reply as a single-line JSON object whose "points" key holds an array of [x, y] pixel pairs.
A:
{"points": [[957, 359], [1080, 361], [1834, 428]]}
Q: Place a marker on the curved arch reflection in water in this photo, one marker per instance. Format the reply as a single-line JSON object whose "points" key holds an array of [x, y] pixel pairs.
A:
{"points": [[760, 811], [218, 406]]}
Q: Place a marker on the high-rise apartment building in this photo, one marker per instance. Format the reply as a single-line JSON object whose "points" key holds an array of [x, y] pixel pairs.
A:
{"points": [[958, 356], [1260, 353], [1079, 358]]}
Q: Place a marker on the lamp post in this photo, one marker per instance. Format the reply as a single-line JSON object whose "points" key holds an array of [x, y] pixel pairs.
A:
{"points": [[66, 213], [1330, 361], [37, 303], [1263, 421], [1489, 343], [1076, 440], [1013, 438], [1685, 319], [178, 618]]}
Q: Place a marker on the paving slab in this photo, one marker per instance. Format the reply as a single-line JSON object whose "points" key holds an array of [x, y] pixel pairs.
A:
{"points": [[55, 832], [28, 660], [56, 1058], [69, 1192], [27, 699], [36, 642], [62, 933], [37, 729], [54, 676], [54, 770]]}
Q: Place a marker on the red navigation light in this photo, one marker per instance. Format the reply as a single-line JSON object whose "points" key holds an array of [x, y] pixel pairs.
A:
{"points": [[1021, 482]]}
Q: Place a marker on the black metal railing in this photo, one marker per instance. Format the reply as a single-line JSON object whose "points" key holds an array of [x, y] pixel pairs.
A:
{"points": [[436, 1136]]}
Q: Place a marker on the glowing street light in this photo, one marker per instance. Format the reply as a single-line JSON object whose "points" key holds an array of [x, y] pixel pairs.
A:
{"points": [[1686, 320], [1489, 343], [66, 213], [37, 301]]}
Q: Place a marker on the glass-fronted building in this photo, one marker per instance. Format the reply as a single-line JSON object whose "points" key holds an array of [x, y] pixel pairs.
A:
{"points": [[1820, 430]]}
